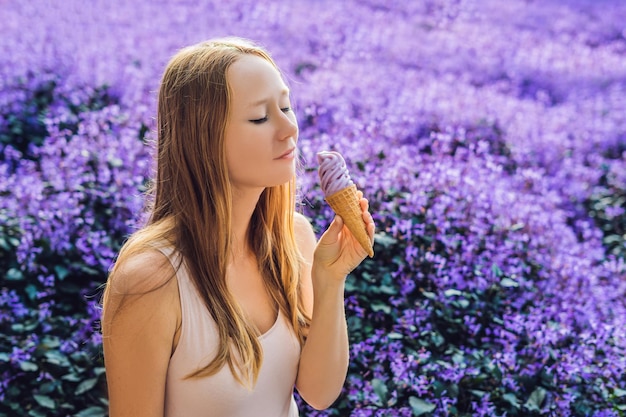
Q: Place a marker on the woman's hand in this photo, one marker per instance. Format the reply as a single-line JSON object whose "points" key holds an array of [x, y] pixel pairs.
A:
{"points": [[337, 251]]}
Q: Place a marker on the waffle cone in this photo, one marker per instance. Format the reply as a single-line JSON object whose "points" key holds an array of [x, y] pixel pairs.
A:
{"points": [[345, 203]]}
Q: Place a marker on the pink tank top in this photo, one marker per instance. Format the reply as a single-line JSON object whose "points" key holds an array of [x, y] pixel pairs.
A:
{"points": [[220, 395]]}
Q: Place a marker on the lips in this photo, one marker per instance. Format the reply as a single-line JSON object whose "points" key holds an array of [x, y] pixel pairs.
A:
{"points": [[289, 153]]}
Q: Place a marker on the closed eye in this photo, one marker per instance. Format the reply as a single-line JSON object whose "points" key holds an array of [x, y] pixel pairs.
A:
{"points": [[264, 119], [259, 121]]}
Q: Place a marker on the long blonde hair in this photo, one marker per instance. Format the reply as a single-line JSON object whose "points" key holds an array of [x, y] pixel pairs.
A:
{"points": [[191, 204]]}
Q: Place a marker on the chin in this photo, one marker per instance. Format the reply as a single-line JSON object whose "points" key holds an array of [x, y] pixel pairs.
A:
{"points": [[286, 175], [283, 179]]}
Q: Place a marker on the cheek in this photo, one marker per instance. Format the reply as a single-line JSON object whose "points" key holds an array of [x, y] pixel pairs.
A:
{"points": [[248, 158], [244, 155]]}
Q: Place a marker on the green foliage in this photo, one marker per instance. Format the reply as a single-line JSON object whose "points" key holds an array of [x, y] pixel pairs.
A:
{"points": [[607, 207], [50, 348]]}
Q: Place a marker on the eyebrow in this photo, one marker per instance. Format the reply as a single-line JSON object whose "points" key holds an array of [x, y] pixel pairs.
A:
{"points": [[284, 92]]}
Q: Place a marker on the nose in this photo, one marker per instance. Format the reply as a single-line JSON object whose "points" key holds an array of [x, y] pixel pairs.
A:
{"points": [[289, 126]]}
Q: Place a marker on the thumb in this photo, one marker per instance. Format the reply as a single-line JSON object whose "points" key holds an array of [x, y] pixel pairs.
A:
{"points": [[332, 233]]}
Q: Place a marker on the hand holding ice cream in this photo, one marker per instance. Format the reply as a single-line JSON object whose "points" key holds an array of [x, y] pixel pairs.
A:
{"points": [[341, 194]]}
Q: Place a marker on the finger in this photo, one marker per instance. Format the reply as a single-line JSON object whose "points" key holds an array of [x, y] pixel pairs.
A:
{"points": [[367, 216], [370, 226], [371, 229], [364, 203]]}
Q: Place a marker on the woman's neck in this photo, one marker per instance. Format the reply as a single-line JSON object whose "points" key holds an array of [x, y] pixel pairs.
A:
{"points": [[243, 205]]}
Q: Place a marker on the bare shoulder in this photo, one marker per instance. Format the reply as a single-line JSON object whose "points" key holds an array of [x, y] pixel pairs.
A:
{"points": [[141, 296], [141, 281], [141, 272], [303, 226], [305, 236]]}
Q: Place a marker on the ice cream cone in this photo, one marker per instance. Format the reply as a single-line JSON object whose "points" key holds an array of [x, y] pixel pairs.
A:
{"points": [[345, 203]]}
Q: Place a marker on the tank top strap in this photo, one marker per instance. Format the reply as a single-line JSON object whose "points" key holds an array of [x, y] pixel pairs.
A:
{"points": [[169, 252]]}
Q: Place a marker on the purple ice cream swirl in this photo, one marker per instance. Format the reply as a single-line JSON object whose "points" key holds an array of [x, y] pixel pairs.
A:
{"points": [[333, 173]]}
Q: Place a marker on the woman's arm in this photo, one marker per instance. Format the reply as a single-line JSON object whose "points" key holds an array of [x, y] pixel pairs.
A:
{"points": [[324, 359], [141, 315]]}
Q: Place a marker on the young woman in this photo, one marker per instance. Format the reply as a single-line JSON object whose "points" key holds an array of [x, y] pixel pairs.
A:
{"points": [[224, 301]]}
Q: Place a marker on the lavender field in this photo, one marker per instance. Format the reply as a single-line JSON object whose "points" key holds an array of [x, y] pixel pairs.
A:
{"points": [[489, 137]]}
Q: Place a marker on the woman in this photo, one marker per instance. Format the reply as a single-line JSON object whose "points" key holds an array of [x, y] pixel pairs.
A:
{"points": [[224, 301]]}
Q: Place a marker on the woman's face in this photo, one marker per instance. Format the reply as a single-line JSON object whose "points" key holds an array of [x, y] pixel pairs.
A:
{"points": [[261, 130]]}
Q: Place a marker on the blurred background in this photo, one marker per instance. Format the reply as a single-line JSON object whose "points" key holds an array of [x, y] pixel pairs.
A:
{"points": [[489, 137]]}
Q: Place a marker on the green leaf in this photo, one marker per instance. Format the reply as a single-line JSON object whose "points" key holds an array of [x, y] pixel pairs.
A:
{"points": [[438, 386], [536, 399], [452, 292], [517, 226], [387, 289], [45, 401], [27, 366], [350, 286], [14, 274], [61, 272], [478, 393], [378, 306], [4, 244], [617, 392], [429, 295], [458, 358], [86, 385], [51, 342], [71, 378], [48, 387], [511, 399], [115, 162], [92, 412], [88, 270], [380, 389], [31, 291], [384, 240], [420, 406], [509, 283], [27, 326]]}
